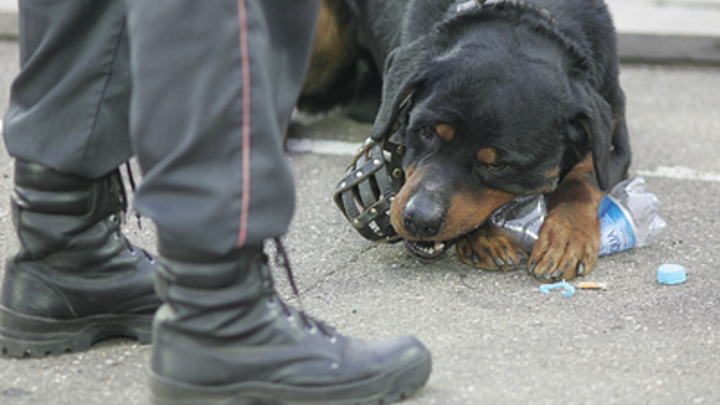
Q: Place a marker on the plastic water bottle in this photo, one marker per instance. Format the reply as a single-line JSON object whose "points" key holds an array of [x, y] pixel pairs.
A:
{"points": [[628, 218], [520, 219]]}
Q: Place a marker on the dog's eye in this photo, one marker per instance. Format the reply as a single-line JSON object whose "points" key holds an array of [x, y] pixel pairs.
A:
{"points": [[496, 167], [427, 134]]}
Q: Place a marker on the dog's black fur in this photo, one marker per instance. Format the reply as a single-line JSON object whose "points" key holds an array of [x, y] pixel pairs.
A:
{"points": [[492, 102]]}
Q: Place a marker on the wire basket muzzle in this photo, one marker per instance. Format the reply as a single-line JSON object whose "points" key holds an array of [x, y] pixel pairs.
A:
{"points": [[365, 193]]}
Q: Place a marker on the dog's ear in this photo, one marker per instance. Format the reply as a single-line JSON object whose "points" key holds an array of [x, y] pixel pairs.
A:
{"points": [[608, 139], [402, 77]]}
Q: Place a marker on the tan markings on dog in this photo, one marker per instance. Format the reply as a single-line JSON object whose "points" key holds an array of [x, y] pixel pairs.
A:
{"points": [[482, 247], [487, 156], [579, 188], [551, 174], [331, 50], [445, 131], [409, 171], [551, 184], [468, 210], [588, 130], [412, 177], [571, 231]]}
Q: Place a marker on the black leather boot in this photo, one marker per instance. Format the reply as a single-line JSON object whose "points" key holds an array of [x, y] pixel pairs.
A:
{"points": [[75, 279], [224, 337]]}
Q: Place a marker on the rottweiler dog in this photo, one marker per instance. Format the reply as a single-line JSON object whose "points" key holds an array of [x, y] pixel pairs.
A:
{"points": [[492, 100]]}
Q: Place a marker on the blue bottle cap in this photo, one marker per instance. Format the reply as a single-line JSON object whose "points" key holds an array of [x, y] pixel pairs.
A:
{"points": [[671, 274]]}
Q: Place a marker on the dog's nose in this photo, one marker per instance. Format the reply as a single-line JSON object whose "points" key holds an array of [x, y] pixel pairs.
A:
{"points": [[423, 217]]}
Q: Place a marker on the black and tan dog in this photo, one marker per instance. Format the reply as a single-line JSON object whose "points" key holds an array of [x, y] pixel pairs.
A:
{"points": [[493, 100]]}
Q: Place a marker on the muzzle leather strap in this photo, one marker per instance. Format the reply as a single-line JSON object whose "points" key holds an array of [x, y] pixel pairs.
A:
{"points": [[367, 190]]}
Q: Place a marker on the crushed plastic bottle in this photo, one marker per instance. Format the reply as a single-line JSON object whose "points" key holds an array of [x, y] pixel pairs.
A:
{"points": [[521, 219], [628, 218]]}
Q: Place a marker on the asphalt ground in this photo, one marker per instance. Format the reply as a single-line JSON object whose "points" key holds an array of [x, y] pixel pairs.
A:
{"points": [[495, 338]]}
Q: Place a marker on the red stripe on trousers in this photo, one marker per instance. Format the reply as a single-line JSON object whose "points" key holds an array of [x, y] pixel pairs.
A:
{"points": [[246, 128]]}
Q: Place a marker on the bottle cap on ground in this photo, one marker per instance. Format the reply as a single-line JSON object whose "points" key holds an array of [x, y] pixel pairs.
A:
{"points": [[671, 274]]}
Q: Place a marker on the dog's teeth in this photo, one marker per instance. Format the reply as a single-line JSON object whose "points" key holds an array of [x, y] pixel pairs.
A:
{"points": [[427, 249], [437, 246]]}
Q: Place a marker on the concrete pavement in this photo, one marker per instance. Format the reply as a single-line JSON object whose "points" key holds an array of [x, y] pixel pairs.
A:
{"points": [[667, 31], [495, 338]]}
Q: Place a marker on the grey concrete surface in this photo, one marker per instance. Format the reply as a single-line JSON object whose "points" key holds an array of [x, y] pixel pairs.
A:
{"points": [[657, 31], [668, 31], [10, 6], [494, 337]]}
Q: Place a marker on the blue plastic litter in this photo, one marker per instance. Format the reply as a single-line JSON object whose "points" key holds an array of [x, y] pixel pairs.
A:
{"points": [[671, 274], [567, 289]]}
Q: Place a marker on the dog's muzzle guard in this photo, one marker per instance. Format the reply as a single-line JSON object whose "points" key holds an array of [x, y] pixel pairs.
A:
{"points": [[371, 182]]}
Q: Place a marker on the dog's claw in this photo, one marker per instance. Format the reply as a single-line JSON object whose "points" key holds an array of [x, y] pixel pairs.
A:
{"points": [[522, 256], [486, 249], [565, 250]]}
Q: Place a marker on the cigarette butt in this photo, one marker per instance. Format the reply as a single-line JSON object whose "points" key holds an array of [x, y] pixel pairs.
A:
{"points": [[587, 285]]}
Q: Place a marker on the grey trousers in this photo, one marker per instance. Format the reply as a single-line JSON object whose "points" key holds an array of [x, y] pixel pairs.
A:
{"points": [[200, 90]]}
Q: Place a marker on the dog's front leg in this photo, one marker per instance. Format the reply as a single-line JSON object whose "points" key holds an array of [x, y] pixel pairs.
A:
{"points": [[569, 239], [488, 249]]}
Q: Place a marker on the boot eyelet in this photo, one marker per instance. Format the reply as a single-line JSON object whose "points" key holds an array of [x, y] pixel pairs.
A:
{"points": [[332, 340], [271, 302], [312, 331], [290, 319]]}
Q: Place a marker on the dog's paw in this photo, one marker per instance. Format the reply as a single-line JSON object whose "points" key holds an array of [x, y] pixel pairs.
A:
{"points": [[567, 247], [487, 249]]}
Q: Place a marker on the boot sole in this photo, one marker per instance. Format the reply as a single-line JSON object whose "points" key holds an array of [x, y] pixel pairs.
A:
{"points": [[385, 388], [26, 336]]}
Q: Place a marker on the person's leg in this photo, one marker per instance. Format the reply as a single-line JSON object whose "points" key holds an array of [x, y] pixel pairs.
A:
{"points": [[214, 86], [201, 132], [69, 104], [75, 279]]}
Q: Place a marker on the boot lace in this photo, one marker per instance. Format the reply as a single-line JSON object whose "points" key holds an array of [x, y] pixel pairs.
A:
{"points": [[281, 260], [124, 203], [131, 179]]}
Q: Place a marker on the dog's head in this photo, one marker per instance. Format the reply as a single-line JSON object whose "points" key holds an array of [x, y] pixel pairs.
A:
{"points": [[485, 119]]}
